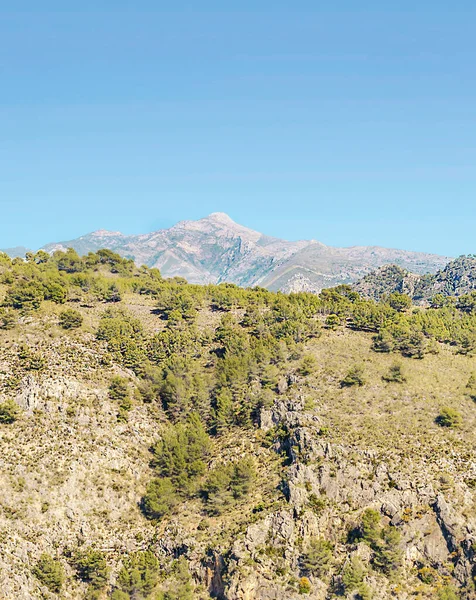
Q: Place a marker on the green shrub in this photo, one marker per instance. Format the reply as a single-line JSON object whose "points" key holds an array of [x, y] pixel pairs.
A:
{"points": [[70, 319], [32, 361], [92, 568], [25, 296], [318, 557], [471, 386], [399, 302], [7, 319], [181, 452], [119, 392], [355, 376], [160, 498], [138, 577], [308, 365], [370, 526], [50, 572], [388, 552], [395, 374], [9, 411], [226, 483], [448, 592], [449, 417], [353, 578]]}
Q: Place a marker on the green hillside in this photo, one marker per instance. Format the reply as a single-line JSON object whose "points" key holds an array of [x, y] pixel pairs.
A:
{"points": [[172, 441]]}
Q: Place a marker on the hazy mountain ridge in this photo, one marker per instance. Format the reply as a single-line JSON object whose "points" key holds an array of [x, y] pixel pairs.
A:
{"points": [[216, 249], [457, 278]]}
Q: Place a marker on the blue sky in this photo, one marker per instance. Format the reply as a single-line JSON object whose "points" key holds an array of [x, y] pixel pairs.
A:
{"points": [[351, 123]]}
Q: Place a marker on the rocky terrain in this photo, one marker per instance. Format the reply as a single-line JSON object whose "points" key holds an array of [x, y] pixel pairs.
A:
{"points": [[216, 249], [456, 279], [358, 490]]}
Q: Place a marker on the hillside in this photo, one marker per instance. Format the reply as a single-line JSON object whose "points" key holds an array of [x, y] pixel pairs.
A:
{"points": [[176, 442], [456, 279], [216, 249]]}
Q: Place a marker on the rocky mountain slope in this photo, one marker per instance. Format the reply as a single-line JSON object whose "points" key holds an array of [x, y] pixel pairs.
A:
{"points": [[164, 441], [216, 249], [456, 279]]}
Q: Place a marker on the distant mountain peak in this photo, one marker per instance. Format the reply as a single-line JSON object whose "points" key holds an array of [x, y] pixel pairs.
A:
{"points": [[219, 217], [217, 249], [105, 233]]}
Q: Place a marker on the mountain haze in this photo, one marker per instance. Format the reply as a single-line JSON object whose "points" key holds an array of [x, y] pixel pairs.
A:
{"points": [[216, 249]]}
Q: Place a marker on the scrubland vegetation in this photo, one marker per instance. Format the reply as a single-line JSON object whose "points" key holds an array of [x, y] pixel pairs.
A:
{"points": [[185, 377]]}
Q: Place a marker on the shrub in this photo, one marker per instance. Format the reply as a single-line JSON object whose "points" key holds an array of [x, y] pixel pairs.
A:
{"points": [[355, 376], [413, 345], [304, 585], [159, 500], [399, 302], [333, 322], [388, 553], [471, 386], [25, 296], [449, 417], [226, 483], [7, 319], [9, 411], [138, 577], [70, 319], [318, 557], [448, 592], [395, 374], [353, 577], [92, 568], [181, 452], [370, 526], [308, 365], [50, 572], [32, 361]]}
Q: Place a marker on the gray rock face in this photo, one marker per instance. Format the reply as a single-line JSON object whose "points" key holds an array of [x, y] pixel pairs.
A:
{"points": [[457, 278], [327, 489], [216, 249]]}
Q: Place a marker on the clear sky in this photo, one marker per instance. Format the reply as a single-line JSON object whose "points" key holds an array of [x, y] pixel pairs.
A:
{"points": [[347, 122]]}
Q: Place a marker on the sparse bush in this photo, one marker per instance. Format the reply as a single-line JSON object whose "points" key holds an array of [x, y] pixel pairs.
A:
{"points": [[304, 586], [308, 365], [353, 578], [449, 417], [7, 319], [9, 411], [138, 577], [70, 319], [318, 557], [228, 482], [448, 592], [92, 568], [50, 572], [355, 376], [471, 386], [395, 374]]}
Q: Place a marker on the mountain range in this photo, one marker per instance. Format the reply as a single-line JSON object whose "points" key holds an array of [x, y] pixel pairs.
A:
{"points": [[458, 277], [215, 249]]}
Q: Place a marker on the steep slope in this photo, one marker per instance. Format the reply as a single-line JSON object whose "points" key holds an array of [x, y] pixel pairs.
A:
{"points": [[456, 279], [257, 449], [216, 249]]}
